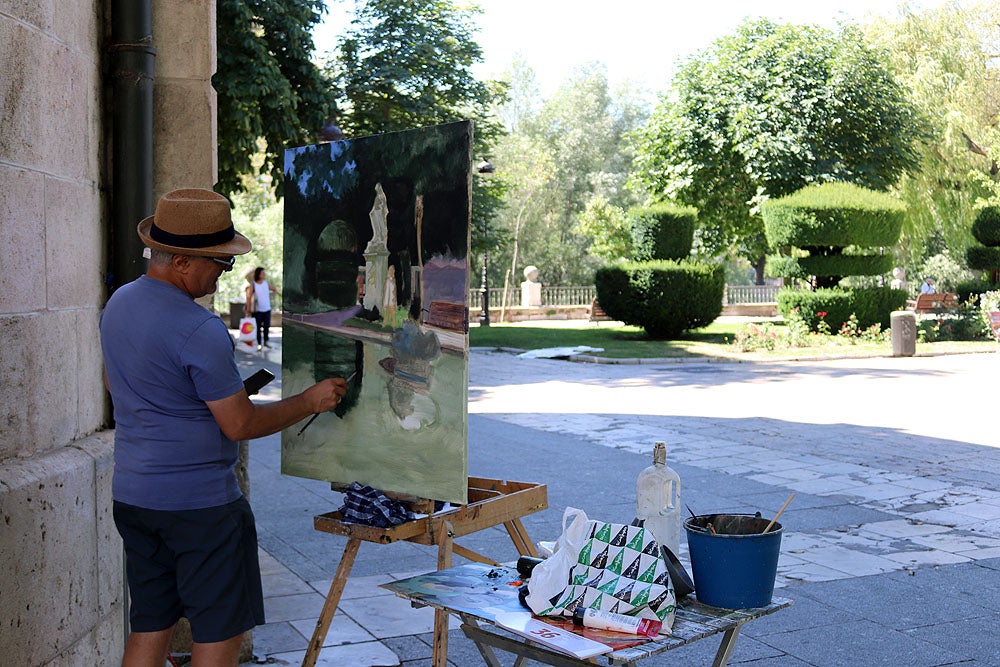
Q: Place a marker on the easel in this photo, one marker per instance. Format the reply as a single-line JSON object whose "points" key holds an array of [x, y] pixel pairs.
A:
{"points": [[491, 502]]}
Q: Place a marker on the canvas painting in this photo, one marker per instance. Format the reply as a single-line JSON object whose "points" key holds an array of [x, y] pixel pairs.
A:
{"points": [[376, 245]]}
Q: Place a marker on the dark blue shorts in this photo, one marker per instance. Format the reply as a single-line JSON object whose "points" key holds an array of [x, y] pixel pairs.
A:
{"points": [[200, 564]]}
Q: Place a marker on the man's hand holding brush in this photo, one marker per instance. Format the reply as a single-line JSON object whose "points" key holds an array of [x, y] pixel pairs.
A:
{"points": [[332, 389]]}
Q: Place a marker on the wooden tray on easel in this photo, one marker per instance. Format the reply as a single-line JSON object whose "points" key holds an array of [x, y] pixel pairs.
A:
{"points": [[491, 502]]}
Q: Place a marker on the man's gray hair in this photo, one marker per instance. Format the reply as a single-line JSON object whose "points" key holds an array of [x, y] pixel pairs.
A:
{"points": [[160, 257]]}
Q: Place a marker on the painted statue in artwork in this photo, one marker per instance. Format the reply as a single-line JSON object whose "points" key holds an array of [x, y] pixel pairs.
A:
{"points": [[376, 283]]}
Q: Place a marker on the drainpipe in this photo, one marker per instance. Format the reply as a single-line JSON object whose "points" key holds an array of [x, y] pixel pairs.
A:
{"points": [[132, 55]]}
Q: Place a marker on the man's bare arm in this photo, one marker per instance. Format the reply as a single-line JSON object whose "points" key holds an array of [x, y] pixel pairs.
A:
{"points": [[241, 419]]}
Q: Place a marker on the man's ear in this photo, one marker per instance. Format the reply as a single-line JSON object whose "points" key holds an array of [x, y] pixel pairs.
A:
{"points": [[180, 263]]}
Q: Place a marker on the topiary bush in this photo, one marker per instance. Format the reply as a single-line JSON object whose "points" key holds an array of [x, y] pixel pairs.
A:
{"points": [[986, 226], [663, 297], [986, 230], [825, 220], [662, 231]]}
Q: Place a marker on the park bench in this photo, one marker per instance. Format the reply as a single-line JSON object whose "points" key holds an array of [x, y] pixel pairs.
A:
{"points": [[597, 313], [932, 302], [995, 323]]}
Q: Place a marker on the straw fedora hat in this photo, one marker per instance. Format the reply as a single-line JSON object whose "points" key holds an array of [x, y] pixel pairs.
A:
{"points": [[193, 221]]}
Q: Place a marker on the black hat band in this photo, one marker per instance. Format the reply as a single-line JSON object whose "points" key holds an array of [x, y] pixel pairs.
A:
{"points": [[192, 240]]}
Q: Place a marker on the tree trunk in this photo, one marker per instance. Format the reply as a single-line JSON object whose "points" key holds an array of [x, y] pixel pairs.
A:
{"points": [[758, 269]]}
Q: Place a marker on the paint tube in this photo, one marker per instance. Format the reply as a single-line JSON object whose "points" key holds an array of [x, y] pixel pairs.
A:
{"points": [[606, 620]]}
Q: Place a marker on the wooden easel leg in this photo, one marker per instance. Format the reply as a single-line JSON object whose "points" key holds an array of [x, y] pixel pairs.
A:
{"points": [[444, 541], [332, 600], [519, 536]]}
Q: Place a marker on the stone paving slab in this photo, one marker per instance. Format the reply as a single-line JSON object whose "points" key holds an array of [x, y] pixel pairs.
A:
{"points": [[891, 545]]}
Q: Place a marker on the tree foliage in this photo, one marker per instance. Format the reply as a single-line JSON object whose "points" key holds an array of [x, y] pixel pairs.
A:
{"points": [[766, 111], [568, 163], [407, 63], [946, 58], [267, 85], [404, 64]]}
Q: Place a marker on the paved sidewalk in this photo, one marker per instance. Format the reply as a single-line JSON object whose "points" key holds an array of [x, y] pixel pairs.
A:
{"points": [[892, 543]]}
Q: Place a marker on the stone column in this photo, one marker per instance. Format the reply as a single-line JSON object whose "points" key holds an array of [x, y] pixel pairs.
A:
{"points": [[184, 137]]}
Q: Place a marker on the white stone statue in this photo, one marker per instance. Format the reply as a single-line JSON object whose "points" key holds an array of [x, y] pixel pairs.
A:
{"points": [[898, 278], [377, 254], [531, 289], [378, 215]]}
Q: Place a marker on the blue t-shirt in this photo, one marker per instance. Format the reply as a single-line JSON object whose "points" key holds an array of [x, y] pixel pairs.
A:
{"points": [[165, 355]]}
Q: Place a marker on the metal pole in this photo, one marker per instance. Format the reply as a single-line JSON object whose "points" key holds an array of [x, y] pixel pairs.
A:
{"points": [[132, 54], [484, 293]]}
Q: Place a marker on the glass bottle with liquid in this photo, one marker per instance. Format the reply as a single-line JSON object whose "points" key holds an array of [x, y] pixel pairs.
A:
{"points": [[658, 500]]}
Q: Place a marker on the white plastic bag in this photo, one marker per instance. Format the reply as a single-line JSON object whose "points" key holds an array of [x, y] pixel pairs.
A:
{"points": [[248, 331], [550, 577]]}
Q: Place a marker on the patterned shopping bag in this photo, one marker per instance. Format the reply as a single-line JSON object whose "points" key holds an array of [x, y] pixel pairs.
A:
{"points": [[619, 569]]}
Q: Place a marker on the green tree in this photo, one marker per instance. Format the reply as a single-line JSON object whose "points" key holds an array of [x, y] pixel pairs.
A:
{"points": [[404, 64], [608, 227], [568, 151], [766, 111], [407, 63], [946, 58], [267, 86]]}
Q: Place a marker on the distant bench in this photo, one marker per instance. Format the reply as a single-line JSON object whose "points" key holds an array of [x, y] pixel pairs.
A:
{"points": [[995, 324], [597, 313], [932, 302]]}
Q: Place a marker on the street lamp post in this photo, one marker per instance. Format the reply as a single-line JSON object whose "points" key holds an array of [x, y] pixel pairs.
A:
{"points": [[484, 167], [484, 293]]}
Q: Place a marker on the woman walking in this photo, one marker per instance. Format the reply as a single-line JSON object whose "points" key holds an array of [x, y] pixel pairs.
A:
{"points": [[259, 305]]}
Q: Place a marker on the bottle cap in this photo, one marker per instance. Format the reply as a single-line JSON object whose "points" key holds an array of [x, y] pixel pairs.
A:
{"points": [[578, 615]]}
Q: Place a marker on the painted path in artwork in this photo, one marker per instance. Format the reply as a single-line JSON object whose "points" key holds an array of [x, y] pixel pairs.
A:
{"points": [[891, 548]]}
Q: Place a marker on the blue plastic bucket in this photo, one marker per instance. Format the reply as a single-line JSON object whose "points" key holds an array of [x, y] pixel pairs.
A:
{"points": [[735, 567]]}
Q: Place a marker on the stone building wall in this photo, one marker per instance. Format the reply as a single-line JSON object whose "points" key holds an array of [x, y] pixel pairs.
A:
{"points": [[62, 598]]}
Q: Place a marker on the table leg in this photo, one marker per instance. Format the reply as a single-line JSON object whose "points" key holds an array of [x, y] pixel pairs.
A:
{"points": [[332, 599], [484, 649], [726, 647]]}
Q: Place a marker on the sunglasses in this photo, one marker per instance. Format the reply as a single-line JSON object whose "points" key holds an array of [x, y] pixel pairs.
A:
{"points": [[228, 263]]}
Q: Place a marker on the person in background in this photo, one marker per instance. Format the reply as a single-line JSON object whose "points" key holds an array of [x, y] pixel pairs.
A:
{"points": [[259, 293], [180, 409], [927, 287]]}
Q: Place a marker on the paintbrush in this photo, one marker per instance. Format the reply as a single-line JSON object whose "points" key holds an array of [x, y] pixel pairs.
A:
{"points": [[313, 418]]}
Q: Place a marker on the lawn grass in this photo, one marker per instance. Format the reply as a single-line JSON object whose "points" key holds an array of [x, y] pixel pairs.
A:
{"points": [[713, 341]]}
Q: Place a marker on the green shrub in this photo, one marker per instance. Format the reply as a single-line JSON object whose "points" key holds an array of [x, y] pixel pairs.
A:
{"points": [[870, 305], [785, 266], [986, 227], [662, 231], [967, 289], [982, 258], [665, 298], [874, 305], [841, 265], [835, 302]]}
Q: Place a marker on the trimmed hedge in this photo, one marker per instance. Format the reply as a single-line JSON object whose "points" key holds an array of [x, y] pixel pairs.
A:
{"points": [[833, 214], [986, 227], [845, 265], [870, 305], [982, 258], [662, 231], [663, 297]]}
